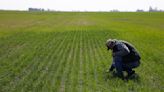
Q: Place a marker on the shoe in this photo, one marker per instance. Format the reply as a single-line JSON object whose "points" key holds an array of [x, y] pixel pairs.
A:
{"points": [[130, 74]]}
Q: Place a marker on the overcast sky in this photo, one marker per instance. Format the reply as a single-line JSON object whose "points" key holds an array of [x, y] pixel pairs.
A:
{"points": [[82, 5]]}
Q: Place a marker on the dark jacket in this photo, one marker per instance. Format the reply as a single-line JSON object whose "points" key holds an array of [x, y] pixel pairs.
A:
{"points": [[126, 51]]}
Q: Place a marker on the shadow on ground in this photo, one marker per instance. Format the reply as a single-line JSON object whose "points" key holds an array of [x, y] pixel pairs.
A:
{"points": [[109, 76]]}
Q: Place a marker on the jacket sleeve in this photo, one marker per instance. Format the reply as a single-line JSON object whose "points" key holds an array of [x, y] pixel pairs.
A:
{"points": [[122, 50]]}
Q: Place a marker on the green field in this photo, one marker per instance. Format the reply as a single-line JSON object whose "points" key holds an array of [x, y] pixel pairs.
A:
{"points": [[65, 51]]}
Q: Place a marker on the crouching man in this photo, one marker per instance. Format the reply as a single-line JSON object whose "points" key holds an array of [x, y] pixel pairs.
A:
{"points": [[125, 57]]}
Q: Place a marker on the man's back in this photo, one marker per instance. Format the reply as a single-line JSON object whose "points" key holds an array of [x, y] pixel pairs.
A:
{"points": [[133, 55], [122, 47]]}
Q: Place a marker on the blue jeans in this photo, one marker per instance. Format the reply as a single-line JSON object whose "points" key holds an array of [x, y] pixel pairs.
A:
{"points": [[120, 66]]}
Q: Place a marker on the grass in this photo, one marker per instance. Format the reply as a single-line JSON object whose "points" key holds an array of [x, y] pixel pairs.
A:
{"points": [[65, 51]]}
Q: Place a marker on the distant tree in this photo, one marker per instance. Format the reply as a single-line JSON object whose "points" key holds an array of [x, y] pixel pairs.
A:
{"points": [[154, 10], [36, 9], [150, 9], [139, 10], [114, 10]]}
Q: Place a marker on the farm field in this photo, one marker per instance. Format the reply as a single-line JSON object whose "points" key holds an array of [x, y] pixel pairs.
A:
{"points": [[66, 52]]}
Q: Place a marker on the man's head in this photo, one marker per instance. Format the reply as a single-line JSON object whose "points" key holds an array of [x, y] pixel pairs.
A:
{"points": [[110, 43]]}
